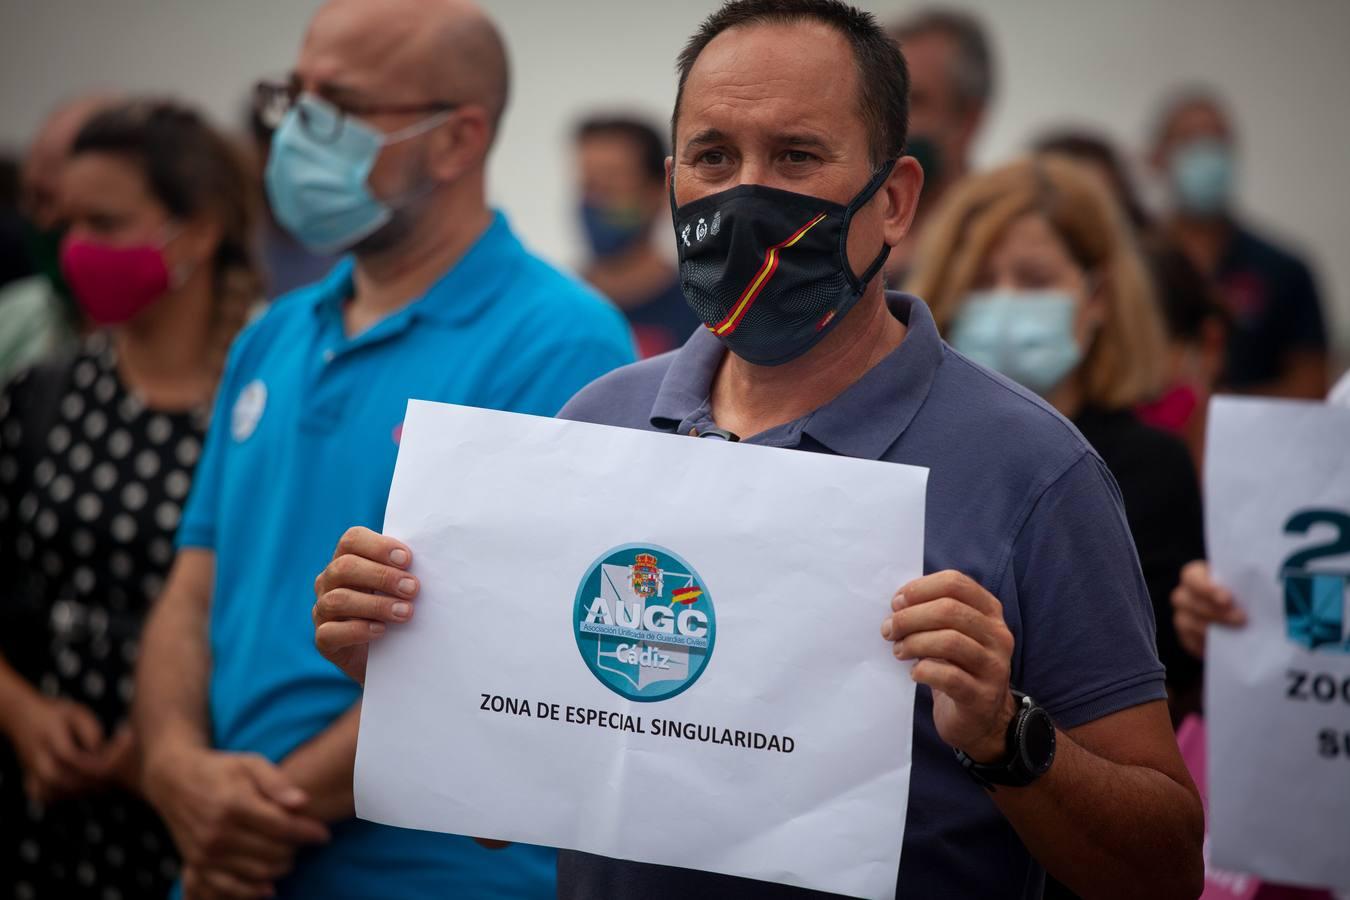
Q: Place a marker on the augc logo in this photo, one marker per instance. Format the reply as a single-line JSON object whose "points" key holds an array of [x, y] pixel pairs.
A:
{"points": [[644, 622], [1316, 602]]}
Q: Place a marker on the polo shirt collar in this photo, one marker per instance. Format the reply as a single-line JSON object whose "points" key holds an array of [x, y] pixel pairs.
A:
{"points": [[862, 422], [688, 381], [460, 295]]}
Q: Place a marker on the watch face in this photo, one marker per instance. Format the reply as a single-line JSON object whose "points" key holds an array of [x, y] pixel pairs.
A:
{"points": [[1038, 741]]}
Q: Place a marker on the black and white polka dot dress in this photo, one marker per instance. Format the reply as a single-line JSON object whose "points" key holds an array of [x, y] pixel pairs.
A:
{"points": [[88, 512]]}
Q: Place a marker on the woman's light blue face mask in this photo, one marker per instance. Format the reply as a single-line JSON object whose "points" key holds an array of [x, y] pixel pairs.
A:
{"points": [[317, 188], [1026, 335]]}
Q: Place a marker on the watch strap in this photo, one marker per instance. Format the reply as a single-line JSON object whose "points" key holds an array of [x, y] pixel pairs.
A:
{"points": [[1013, 770]]}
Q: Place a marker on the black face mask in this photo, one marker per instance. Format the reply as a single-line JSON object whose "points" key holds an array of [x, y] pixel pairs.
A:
{"points": [[767, 270]]}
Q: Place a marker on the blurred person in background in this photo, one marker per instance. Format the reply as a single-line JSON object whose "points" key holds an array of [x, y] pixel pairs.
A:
{"points": [[1277, 344], [1197, 335], [385, 128], [287, 264], [38, 315], [1194, 319], [621, 172], [951, 71], [1031, 271], [1098, 155], [97, 451]]}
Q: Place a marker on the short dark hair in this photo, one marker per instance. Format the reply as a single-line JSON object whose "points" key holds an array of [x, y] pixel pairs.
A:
{"points": [[651, 147], [883, 79], [973, 74]]}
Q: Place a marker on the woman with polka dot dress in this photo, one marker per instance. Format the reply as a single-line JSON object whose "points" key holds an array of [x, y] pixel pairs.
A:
{"points": [[96, 458]]}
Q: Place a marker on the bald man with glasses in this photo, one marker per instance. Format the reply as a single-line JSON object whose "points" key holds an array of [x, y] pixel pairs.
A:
{"points": [[380, 153]]}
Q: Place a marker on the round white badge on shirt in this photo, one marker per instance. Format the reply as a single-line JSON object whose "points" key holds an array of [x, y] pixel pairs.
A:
{"points": [[248, 410]]}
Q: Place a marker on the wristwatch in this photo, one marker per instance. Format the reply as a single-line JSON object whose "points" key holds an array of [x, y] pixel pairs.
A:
{"points": [[1031, 749]]}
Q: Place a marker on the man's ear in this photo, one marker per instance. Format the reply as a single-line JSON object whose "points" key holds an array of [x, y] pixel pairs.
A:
{"points": [[900, 195], [461, 144]]}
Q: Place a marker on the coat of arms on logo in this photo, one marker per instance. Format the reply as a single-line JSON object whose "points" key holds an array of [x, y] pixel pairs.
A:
{"points": [[645, 575]]}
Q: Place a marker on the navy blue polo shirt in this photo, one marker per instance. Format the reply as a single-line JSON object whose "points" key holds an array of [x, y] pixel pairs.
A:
{"points": [[302, 446], [1016, 500]]}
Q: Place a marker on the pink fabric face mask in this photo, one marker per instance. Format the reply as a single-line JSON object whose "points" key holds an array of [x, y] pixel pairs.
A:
{"points": [[114, 283]]}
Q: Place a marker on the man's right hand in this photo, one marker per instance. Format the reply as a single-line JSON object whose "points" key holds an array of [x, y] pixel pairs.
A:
{"points": [[1198, 602], [361, 592], [232, 813]]}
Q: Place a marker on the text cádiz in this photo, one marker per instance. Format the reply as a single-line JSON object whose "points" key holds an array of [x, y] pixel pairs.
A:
{"points": [[669, 728]]}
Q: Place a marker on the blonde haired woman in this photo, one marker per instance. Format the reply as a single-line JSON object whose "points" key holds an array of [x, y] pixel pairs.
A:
{"points": [[1031, 270]]}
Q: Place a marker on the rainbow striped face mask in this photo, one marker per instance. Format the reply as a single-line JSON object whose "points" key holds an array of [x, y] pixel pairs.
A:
{"points": [[767, 270]]}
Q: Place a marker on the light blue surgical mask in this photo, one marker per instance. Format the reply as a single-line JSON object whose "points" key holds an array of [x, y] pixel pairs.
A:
{"points": [[1202, 176], [1026, 335], [317, 187]]}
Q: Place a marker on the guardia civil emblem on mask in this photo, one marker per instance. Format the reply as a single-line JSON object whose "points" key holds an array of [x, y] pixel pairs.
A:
{"points": [[644, 622]]}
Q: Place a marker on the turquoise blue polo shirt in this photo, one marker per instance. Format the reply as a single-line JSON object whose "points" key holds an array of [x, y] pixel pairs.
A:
{"points": [[301, 447]]}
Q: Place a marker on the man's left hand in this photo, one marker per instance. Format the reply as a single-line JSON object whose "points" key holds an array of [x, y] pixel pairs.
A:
{"points": [[954, 628]]}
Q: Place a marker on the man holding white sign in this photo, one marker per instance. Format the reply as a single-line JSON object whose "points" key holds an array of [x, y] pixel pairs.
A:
{"points": [[1041, 735]]}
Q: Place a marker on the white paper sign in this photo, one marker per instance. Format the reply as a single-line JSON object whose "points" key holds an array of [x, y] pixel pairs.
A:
{"points": [[1277, 693], [648, 647]]}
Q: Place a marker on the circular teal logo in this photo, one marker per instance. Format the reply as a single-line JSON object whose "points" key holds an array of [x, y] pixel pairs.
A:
{"points": [[644, 622]]}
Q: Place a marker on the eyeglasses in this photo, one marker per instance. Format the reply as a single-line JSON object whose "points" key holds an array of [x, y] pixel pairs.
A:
{"points": [[273, 99]]}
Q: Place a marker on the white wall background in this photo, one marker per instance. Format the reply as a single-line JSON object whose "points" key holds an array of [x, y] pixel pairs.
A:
{"points": [[1284, 67]]}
